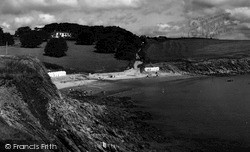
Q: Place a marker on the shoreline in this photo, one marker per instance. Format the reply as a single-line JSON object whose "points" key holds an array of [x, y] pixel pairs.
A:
{"points": [[78, 80], [154, 136]]}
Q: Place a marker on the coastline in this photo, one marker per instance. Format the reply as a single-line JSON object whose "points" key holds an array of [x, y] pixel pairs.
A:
{"points": [[80, 80], [154, 136]]}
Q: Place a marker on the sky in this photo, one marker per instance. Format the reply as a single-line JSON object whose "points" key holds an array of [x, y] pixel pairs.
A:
{"points": [[169, 18]]}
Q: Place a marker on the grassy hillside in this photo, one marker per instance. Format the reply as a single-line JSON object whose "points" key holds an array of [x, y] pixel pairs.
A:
{"points": [[79, 57], [175, 49]]}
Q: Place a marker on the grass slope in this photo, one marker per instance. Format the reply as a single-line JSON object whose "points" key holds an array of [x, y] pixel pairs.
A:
{"points": [[175, 49], [79, 57]]}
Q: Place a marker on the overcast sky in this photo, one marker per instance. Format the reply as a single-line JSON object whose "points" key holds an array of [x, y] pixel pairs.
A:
{"points": [[149, 17]]}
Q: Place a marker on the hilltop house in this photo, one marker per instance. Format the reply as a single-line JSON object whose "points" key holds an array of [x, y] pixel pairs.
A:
{"points": [[57, 34]]}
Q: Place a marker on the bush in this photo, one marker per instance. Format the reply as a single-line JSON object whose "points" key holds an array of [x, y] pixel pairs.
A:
{"points": [[106, 45], [31, 40], [85, 38], [56, 47]]}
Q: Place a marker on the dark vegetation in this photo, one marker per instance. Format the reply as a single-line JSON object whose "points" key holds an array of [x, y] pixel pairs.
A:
{"points": [[56, 47], [106, 45], [126, 51], [107, 39], [85, 38], [6, 38], [31, 39], [22, 30]]}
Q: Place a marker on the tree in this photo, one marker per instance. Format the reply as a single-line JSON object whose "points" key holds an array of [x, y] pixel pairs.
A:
{"points": [[1, 30], [85, 38], [31, 39], [126, 51], [6, 38], [22, 30], [107, 45], [56, 47]]}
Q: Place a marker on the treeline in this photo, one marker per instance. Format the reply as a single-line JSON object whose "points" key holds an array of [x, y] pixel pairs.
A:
{"points": [[111, 39], [108, 39]]}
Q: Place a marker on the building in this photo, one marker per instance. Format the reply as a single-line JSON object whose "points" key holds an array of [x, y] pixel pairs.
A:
{"points": [[151, 69], [58, 34], [57, 74]]}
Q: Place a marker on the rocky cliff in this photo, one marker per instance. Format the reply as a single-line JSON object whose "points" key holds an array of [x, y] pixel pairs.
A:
{"points": [[221, 66]]}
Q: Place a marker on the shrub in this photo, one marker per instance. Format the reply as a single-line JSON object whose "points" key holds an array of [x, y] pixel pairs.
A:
{"points": [[85, 38], [56, 47], [31, 40]]}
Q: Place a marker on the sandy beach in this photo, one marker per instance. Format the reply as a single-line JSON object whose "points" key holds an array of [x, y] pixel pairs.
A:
{"points": [[81, 80], [72, 80]]}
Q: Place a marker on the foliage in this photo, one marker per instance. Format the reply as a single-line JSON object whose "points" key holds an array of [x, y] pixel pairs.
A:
{"points": [[1, 30], [99, 32], [6, 38], [85, 38], [108, 38], [43, 34], [31, 39], [106, 45], [56, 47], [22, 30], [124, 44], [126, 51]]}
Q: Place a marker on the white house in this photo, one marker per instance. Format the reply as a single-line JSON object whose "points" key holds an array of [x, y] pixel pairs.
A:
{"points": [[57, 34], [57, 74], [151, 69]]}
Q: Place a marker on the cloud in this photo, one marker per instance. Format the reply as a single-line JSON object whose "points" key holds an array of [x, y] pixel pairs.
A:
{"points": [[110, 3], [152, 17], [126, 19], [68, 2], [5, 25], [218, 3], [47, 18], [167, 27], [23, 20], [48, 6], [170, 29], [240, 13]]}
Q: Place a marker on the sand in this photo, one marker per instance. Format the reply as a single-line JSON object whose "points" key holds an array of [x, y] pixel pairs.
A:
{"points": [[82, 80], [72, 80]]}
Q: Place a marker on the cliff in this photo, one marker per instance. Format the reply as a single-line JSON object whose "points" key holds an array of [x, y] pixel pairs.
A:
{"points": [[219, 67]]}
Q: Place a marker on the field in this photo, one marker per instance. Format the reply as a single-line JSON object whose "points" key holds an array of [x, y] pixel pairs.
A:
{"points": [[79, 57], [170, 50]]}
